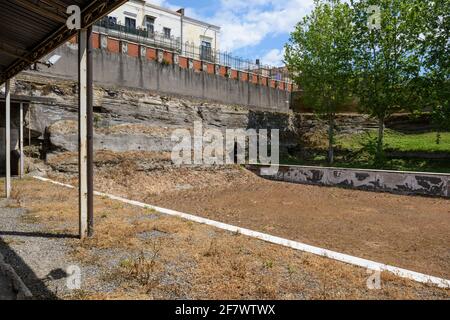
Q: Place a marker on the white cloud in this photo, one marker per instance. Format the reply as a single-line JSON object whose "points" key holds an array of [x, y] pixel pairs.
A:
{"points": [[247, 23], [274, 57], [162, 3], [190, 12]]}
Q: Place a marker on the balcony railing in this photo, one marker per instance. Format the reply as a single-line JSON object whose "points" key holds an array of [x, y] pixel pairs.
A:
{"points": [[207, 54], [190, 50], [139, 35]]}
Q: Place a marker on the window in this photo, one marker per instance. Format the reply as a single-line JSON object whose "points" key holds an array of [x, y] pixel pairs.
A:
{"points": [[108, 21], [206, 51], [130, 23], [150, 24], [112, 20], [206, 44], [167, 33]]}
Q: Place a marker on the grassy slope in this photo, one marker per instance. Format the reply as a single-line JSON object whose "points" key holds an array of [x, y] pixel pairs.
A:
{"points": [[423, 142], [417, 165], [395, 141]]}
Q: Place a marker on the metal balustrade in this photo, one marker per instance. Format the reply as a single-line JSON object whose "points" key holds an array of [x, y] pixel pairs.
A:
{"points": [[190, 50]]}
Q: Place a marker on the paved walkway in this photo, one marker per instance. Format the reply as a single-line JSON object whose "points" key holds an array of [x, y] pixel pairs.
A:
{"points": [[34, 254]]}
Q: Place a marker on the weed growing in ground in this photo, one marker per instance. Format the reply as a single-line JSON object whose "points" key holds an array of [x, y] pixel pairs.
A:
{"points": [[212, 249], [268, 264]]}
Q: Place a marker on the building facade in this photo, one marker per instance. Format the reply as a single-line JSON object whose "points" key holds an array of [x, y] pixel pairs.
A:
{"points": [[165, 24]]}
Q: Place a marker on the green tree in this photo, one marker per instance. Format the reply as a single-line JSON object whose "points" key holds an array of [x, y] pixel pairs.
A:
{"points": [[319, 55], [435, 50], [387, 62], [441, 119]]}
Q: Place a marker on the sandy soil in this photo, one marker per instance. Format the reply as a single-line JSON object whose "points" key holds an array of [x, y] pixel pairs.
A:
{"points": [[405, 231], [409, 232], [139, 254]]}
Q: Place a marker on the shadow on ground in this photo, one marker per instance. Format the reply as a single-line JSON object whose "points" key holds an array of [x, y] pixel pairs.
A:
{"points": [[37, 286], [38, 235]]}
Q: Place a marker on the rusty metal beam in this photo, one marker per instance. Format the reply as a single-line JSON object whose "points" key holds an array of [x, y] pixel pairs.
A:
{"points": [[42, 10], [60, 6], [13, 52]]}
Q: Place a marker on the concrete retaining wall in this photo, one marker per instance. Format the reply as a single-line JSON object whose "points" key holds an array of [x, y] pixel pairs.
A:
{"points": [[409, 183], [119, 70]]}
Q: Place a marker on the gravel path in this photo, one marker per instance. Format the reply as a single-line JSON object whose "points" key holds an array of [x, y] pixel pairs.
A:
{"points": [[38, 257], [6, 290], [137, 254]]}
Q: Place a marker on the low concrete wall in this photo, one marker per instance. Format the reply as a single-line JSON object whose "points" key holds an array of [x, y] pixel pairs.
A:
{"points": [[120, 70], [409, 183]]}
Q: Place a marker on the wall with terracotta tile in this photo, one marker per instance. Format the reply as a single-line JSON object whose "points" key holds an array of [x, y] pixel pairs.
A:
{"points": [[133, 50], [184, 62], [113, 45], [210, 68], [95, 40], [197, 65], [151, 54], [168, 57]]}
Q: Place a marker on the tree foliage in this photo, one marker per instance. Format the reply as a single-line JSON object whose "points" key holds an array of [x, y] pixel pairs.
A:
{"points": [[435, 51], [387, 61], [320, 56], [392, 55]]}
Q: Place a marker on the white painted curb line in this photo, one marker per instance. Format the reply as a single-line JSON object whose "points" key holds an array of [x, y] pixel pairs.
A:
{"points": [[368, 264]]}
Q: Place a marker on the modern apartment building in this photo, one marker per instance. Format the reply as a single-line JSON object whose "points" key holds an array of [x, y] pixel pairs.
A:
{"points": [[165, 24]]}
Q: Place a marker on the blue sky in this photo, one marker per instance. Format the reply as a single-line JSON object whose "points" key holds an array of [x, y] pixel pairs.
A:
{"points": [[250, 28]]}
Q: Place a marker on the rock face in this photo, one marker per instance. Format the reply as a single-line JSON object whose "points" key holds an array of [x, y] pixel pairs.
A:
{"points": [[63, 136], [345, 123], [134, 120], [137, 120]]}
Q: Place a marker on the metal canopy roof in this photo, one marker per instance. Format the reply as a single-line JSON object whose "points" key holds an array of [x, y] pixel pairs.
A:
{"points": [[30, 29]]}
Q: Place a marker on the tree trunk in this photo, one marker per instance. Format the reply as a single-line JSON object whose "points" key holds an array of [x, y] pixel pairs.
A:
{"points": [[331, 139], [380, 141], [438, 137]]}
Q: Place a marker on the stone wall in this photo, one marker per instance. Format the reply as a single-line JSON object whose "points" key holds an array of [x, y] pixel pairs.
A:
{"points": [[408, 183], [117, 106], [132, 119], [348, 123]]}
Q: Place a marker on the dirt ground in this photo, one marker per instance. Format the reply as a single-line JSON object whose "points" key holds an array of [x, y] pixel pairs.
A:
{"points": [[408, 232], [405, 231], [140, 254]]}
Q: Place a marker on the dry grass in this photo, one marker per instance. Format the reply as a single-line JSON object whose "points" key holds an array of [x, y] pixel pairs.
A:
{"points": [[171, 258], [318, 139], [117, 173]]}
